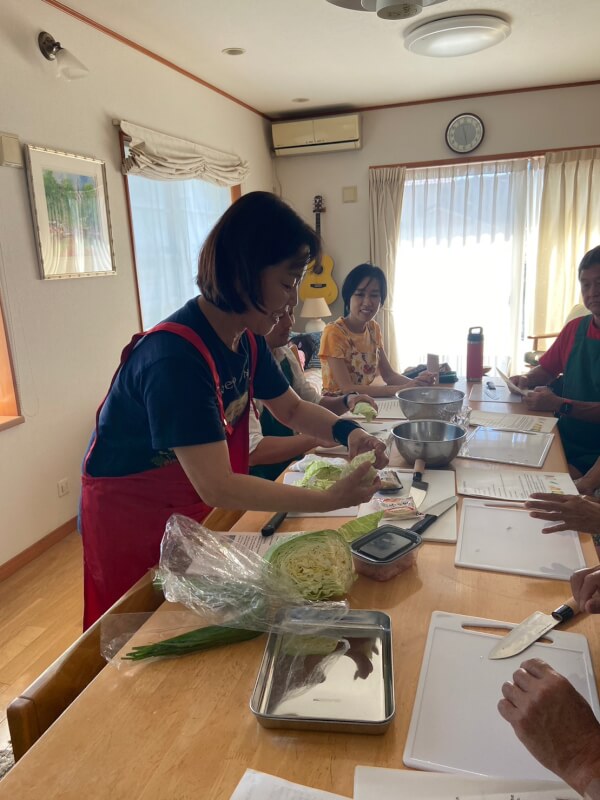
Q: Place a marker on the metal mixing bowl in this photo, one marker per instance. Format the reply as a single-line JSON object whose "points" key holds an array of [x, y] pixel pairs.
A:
{"points": [[430, 402], [435, 441]]}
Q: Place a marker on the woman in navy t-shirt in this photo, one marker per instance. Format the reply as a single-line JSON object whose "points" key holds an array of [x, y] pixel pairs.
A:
{"points": [[172, 434]]}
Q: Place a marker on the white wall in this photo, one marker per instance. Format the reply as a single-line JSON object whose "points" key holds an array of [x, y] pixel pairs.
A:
{"points": [[66, 335], [561, 118]]}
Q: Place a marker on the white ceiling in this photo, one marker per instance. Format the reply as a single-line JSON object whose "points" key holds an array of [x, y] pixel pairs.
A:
{"points": [[341, 59]]}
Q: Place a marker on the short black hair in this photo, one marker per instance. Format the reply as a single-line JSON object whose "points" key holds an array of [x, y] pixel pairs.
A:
{"points": [[356, 276], [257, 231], [590, 259]]}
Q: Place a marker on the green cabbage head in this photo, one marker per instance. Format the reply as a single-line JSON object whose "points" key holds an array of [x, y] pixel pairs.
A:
{"points": [[319, 564]]}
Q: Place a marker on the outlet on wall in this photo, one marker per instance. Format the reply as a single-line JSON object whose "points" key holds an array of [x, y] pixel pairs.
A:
{"points": [[63, 487]]}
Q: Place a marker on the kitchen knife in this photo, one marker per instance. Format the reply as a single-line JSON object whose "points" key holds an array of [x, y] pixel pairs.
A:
{"points": [[433, 513], [532, 629], [271, 526], [418, 489]]}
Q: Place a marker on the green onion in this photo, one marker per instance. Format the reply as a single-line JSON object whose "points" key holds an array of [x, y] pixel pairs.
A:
{"points": [[199, 639]]}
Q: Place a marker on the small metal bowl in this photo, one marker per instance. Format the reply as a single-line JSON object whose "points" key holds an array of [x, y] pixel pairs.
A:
{"points": [[435, 441], [430, 402]]}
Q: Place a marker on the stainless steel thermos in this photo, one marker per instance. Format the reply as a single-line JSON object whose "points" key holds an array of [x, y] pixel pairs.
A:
{"points": [[475, 354]]}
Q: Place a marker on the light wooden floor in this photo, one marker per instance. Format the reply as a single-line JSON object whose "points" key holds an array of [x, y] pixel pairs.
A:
{"points": [[41, 609]]}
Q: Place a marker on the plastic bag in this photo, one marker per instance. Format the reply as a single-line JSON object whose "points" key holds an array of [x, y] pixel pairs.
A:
{"points": [[229, 585]]}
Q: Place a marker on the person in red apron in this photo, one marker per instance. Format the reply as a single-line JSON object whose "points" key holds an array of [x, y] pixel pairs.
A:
{"points": [[172, 433], [576, 355]]}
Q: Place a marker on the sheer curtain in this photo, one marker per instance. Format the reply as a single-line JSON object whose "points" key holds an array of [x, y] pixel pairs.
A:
{"points": [[467, 245], [569, 227], [170, 221], [385, 205]]}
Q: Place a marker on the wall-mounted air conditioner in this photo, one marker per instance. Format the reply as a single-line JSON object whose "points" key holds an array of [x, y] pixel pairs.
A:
{"points": [[321, 135]]}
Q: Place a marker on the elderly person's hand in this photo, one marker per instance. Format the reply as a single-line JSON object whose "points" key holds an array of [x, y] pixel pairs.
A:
{"points": [[543, 399], [554, 722], [585, 584], [353, 399], [567, 512], [522, 381], [360, 441]]}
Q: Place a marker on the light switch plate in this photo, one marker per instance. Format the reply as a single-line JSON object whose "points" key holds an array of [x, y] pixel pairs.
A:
{"points": [[10, 150], [349, 194]]}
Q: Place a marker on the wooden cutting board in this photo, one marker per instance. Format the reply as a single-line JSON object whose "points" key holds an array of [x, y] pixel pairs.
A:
{"points": [[455, 725]]}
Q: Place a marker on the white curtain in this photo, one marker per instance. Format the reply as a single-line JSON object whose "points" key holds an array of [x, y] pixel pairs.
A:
{"points": [[171, 220], [385, 206], [162, 157], [569, 227], [467, 243]]}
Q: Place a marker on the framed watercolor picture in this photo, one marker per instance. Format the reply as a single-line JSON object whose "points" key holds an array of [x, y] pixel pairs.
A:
{"points": [[69, 203]]}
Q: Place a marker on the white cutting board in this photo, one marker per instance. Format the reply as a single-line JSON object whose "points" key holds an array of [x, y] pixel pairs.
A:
{"points": [[455, 725], [442, 484], [509, 540], [501, 394], [294, 477]]}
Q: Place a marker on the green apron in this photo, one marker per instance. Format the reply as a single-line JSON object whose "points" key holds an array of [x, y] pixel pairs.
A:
{"points": [[272, 427], [581, 440]]}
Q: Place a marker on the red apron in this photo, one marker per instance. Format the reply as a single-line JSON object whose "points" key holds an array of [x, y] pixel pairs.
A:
{"points": [[123, 519]]}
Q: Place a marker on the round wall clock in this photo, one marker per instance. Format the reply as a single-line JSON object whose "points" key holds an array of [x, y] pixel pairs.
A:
{"points": [[464, 133]]}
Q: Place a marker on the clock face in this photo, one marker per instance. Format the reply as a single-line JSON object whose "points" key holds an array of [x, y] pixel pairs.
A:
{"points": [[464, 133]]}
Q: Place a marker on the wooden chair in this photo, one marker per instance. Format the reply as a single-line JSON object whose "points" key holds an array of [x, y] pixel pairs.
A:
{"points": [[532, 357], [34, 711]]}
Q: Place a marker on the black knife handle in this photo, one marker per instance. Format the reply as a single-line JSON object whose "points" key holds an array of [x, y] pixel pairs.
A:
{"points": [[272, 525], [423, 524], [566, 611]]}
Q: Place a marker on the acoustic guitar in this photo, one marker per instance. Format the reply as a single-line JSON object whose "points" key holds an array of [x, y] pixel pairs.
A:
{"points": [[318, 280]]}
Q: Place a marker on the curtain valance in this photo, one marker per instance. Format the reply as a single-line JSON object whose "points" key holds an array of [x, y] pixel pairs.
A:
{"points": [[156, 155]]}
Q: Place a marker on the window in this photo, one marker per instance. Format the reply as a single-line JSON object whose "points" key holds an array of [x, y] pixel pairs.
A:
{"points": [[170, 221], [466, 257]]}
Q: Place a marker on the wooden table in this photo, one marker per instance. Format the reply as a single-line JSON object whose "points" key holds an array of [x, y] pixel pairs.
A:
{"points": [[182, 728]]}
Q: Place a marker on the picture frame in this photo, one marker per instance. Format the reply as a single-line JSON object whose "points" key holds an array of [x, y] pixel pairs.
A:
{"points": [[71, 218]]}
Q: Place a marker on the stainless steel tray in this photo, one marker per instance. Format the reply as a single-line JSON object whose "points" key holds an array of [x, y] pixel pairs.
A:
{"points": [[341, 680]]}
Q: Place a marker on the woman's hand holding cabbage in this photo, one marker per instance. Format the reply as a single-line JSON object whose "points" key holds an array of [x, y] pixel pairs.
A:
{"points": [[360, 441]]}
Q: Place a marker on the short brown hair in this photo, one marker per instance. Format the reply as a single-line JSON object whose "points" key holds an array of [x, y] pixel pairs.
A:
{"points": [[590, 259], [257, 231]]}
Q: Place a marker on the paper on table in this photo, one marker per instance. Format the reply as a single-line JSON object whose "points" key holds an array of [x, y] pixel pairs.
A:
{"points": [[260, 786], [517, 422], [511, 485], [294, 477], [258, 543], [374, 783]]}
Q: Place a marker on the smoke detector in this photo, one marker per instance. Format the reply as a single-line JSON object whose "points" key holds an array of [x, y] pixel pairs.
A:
{"points": [[387, 9]]}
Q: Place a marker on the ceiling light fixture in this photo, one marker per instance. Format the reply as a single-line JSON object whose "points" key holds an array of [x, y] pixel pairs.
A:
{"points": [[67, 66], [300, 99], [447, 37], [387, 9], [233, 51]]}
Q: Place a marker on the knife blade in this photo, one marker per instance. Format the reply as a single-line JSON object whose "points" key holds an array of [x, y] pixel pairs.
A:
{"points": [[433, 513], [533, 628], [271, 526], [418, 489]]}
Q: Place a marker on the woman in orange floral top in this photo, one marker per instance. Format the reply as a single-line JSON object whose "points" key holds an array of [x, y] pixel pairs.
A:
{"points": [[352, 352]]}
